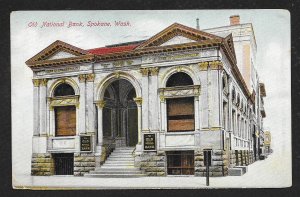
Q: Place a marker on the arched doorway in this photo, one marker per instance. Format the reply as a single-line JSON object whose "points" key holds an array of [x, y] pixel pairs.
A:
{"points": [[120, 117]]}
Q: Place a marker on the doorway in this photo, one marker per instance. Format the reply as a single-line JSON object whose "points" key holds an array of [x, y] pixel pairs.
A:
{"points": [[120, 118]]}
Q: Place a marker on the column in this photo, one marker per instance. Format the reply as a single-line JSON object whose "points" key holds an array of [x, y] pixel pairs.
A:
{"points": [[36, 114], [43, 107], [139, 102], [153, 102], [90, 103], [163, 113], [100, 104], [145, 95], [197, 118], [81, 118], [51, 121]]}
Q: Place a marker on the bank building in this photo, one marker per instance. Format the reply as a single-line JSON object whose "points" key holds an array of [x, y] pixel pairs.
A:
{"points": [[163, 106]]}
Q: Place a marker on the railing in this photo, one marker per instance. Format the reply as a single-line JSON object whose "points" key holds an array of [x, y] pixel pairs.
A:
{"points": [[110, 147], [133, 151]]}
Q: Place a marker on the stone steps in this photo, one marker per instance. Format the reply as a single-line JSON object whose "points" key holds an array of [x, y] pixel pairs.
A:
{"points": [[119, 164]]}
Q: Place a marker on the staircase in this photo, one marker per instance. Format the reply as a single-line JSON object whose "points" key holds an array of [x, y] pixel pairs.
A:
{"points": [[119, 164]]}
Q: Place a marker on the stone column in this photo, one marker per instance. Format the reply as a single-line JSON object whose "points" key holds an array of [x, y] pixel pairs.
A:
{"points": [[153, 101], [51, 121], [163, 113], [100, 104], [139, 102], [197, 118], [36, 113], [43, 107], [90, 103], [82, 96], [145, 95]]}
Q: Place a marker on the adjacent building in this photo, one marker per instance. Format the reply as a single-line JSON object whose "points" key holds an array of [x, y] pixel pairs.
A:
{"points": [[162, 106]]}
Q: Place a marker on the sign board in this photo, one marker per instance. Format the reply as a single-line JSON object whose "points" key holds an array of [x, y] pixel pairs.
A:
{"points": [[85, 143], [149, 142]]}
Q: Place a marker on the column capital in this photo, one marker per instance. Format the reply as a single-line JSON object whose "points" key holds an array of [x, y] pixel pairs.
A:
{"points": [[154, 71], [81, 78], [100, 104], [162, 98], [144, 71], [90, 77], [36, 82], [43, 82], [138, 101]]}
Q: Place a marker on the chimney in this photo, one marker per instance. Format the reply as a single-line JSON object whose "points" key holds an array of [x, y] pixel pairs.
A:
{"points": [[234, 20], [197, 24]]}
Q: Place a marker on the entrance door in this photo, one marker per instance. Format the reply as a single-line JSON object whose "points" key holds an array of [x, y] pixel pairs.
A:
{"points": [[120, 118]]}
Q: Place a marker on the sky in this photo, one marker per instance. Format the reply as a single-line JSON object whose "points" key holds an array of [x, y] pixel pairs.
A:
{"points": [[272, 33]]}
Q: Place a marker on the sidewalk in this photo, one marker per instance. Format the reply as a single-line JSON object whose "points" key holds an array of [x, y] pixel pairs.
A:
{"points": [[264, 173]]}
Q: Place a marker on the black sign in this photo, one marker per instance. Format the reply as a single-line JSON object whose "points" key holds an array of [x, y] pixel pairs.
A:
{"points": [[85, 143], [149, 142]]}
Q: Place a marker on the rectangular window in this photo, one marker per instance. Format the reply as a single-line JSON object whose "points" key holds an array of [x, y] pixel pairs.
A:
{"points": [[180, 162], [180, 112], [65, 121], [64, 163]]}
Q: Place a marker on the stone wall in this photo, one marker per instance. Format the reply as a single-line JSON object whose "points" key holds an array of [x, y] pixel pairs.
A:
{"points": [[42, 164], [152, 163], [219, 163], [83, 163], [232, 158]]}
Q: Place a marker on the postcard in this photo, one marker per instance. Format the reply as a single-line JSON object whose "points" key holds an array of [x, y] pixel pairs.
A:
{"points": [[160, 99]]}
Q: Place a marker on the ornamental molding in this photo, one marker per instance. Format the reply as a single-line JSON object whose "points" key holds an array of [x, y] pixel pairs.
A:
{"points": [[43, 82], [180, 91], [63, 101]]}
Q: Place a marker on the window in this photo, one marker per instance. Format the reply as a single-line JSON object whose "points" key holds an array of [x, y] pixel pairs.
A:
{"points": [[64, 163], [65, 116], [65, 121], [64, 89], [180, 114], [180, 162], [179, 79]]}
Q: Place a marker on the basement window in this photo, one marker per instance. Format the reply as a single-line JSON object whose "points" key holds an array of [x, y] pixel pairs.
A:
{"points": [[180, 162]]}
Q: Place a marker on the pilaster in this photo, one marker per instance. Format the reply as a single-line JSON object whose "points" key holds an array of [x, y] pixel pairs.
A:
{"points": [[43, 106]]}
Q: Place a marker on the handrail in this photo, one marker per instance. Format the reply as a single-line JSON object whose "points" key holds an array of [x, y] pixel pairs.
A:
{"points": [[133, 151], [112, 143]]}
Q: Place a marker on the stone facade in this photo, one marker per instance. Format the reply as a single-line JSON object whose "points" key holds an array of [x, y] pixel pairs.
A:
{"points": [[219, 163], [223, 103], [152, 163], [83, 163], [42, 164]]}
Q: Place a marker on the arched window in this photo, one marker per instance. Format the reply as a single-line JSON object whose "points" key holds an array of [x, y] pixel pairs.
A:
{"points": [[180, 111], [179, 79], [65, 116], [64, 89]]}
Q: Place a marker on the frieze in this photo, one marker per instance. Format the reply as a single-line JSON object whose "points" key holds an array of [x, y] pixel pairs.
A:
{"points": [[170, 57], [184, 91], [61, 70]]}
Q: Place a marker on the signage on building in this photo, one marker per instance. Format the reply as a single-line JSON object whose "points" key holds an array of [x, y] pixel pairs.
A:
{"points": [[85, 143], [149, 142]]}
